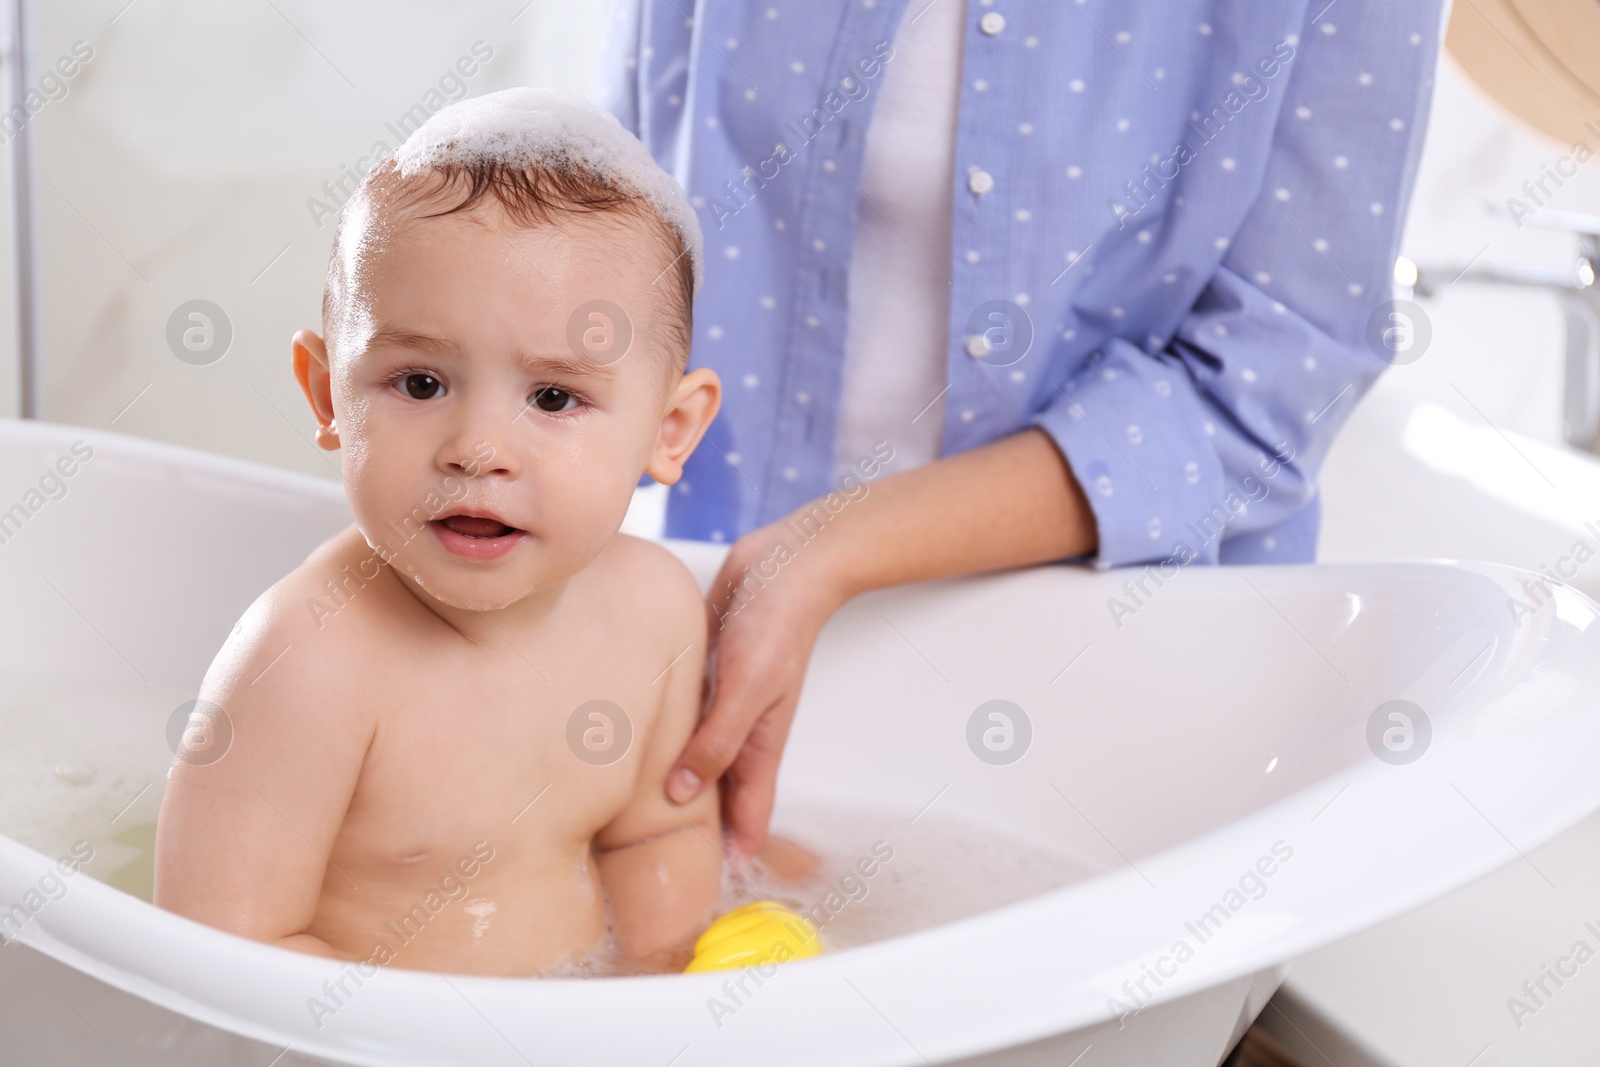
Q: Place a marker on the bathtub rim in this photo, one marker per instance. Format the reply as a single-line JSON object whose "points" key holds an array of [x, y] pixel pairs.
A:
{"points": [[60, 933]]}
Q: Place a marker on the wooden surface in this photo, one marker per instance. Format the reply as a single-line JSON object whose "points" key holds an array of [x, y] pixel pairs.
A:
{"points": [[1539, 59]]}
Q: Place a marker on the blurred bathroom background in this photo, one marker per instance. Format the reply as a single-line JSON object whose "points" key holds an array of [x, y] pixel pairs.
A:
{"points": [[188, 159], [196, 151]]}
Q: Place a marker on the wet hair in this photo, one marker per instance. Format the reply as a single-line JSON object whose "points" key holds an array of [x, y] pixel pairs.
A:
{"points": [[530, 195]]}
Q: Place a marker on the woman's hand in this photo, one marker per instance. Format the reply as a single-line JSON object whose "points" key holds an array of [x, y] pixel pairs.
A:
{"points": [[1009, 503], [766, 607]]}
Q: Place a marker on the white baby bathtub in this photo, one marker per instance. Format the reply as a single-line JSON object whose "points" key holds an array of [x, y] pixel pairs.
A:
{"points": [[1171, 751]]}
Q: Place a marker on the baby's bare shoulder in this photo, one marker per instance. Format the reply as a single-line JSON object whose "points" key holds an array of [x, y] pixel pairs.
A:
{"points": [[317, 616], [298, 697], [640, 571]]}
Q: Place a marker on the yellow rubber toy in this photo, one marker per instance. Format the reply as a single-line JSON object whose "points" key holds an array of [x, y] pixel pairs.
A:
{"points": [[753, 936]]}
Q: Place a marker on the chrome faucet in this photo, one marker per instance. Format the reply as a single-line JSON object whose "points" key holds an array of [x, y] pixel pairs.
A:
{"points": [[1580, 302]]}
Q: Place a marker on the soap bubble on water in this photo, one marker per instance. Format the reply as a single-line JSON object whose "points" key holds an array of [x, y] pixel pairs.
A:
{"points": [[941, 869]]}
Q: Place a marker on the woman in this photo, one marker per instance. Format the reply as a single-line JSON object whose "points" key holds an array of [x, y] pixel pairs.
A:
{"points": [[1064, 280]]}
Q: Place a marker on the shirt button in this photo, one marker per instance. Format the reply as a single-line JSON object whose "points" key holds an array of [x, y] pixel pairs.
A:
{"points": [[992, 23], [980, 181], [977, 345]]}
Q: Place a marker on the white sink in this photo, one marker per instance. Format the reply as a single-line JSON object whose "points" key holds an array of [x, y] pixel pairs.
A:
{"points": [[1443, 985]]}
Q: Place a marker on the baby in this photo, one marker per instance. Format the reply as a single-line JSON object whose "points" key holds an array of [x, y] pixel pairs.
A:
{"points": [[452, 723]]}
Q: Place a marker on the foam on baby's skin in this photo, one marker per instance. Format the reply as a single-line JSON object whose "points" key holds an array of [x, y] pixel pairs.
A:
{"points": [[552, 128], [480, 910]]}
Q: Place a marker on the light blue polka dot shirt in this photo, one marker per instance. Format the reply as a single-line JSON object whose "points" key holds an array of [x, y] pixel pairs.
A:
{"points": [[1174, 226]]}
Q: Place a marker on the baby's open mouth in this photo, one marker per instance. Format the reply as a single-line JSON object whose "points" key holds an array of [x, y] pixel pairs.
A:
{"points": [[476, 526], [477, 536]]}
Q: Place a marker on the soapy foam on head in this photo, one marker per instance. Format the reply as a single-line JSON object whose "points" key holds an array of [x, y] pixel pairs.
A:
{"points": [[549, 128], [542, 156]]}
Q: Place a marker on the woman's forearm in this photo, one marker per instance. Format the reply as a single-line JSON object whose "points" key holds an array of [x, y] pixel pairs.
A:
{"points": [[1007, 504], [1010, 503]]}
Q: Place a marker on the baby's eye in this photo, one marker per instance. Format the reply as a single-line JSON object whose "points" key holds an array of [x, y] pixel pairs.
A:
{"points": [[422, 386], [552, 399]]}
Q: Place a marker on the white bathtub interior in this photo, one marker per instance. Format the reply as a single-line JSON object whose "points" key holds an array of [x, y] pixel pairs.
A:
{"points": [[118, 637], [1225, 714]]}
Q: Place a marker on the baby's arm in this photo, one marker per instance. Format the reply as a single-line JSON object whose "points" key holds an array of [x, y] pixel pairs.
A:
{"points": [[661, 863], [242, 843]]}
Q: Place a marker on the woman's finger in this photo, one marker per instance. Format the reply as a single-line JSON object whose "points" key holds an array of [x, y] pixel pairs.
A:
{"points": [[753, 781], [717, 740]]}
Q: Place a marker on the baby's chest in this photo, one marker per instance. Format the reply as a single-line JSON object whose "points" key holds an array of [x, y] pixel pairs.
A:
{"points": [[513, 760]]}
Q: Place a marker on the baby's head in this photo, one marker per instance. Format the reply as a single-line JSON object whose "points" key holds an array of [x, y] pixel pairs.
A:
{"points": [[505, 329]]}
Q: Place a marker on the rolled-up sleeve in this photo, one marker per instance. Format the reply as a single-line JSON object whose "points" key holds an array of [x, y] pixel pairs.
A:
{"points": [[1205, 444]]}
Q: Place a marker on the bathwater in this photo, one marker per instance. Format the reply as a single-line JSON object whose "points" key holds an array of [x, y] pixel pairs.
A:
{"points": [[86, 760], [883, 875], [83, 759]]}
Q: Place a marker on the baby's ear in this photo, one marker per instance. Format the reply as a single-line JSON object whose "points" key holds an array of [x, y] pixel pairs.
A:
{"points": [[693, 405], [310, 359]]}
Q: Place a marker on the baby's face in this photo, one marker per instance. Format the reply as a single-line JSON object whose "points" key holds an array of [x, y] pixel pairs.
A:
{"points": [[493, 432]]}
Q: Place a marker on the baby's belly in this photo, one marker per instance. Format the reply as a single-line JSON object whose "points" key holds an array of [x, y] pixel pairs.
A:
{"points": [[507, 916]]}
